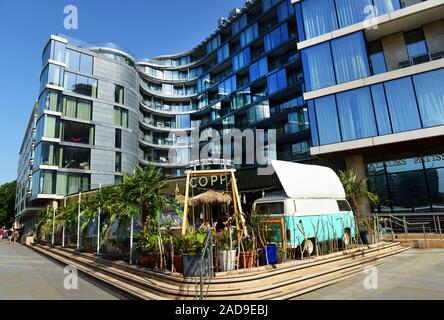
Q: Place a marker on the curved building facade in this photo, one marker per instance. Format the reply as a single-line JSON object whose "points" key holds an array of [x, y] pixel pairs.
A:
{"points": [[101, 111]]}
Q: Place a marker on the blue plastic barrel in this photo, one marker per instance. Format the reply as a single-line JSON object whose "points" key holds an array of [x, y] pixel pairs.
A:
{"points": [[271, 251]]}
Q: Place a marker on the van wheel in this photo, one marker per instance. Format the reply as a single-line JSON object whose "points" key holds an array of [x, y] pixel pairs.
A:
{"points": [[308, 247], [346, 239]]}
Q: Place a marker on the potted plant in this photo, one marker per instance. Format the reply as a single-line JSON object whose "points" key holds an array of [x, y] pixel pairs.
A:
{"points": [[194, 258], [247, 256], [148, 241], [268, 252], [227, 251], [368, 230], [177, 254]]}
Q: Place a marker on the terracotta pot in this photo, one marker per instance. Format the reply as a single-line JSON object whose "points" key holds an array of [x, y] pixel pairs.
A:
{"points": [[148, 260], [246, 259], [178, 263]]}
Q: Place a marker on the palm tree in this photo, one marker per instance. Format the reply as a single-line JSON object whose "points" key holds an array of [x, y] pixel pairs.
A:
{"points": [[356, 189], [67, 217], [142, 193], [102, 204]]}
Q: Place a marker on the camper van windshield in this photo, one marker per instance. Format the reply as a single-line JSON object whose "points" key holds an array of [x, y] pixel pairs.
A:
{"points": [[270, 208]]}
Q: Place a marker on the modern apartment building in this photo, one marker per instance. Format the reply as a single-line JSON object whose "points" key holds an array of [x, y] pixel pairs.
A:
{"points": [[374, 76], [101, 111]]}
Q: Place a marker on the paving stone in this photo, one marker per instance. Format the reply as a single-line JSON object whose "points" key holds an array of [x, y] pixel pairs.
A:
{"points": [[26, 275], [415, 274]]}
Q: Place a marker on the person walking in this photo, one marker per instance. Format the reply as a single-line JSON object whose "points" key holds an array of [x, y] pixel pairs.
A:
{"points": [[9, 234]]}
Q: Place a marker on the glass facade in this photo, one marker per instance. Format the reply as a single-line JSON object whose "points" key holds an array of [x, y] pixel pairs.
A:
{"points": [[240, 77], [414, 184], [395, 106], [241, 60], [276, 37], [258, 69], [81, 84], [323, 16], [334, 62]]}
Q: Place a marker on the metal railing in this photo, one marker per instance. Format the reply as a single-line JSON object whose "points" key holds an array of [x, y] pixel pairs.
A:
{"points": [[203, 277], [399, 57], [430, 225]]}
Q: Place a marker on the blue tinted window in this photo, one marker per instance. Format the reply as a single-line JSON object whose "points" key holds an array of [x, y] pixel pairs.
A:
{"points": [[239, 24], [319, 17], [352, 11], [285, 10], [299, 21], [276, 37], [228, 86], [267, 4], [378, 63], [327, 117], [203, 83], [250, 34], [386, 6], [318, 67], [86, 63], [213, 44], [183, 121], [59, 51], [416, 49], [356, 114], [381, 111], [402, 105], [430, 93], [241, 59], [223, 53], [313, 124], [258, 69], [277, 81], [72, 59], [350, 57]]}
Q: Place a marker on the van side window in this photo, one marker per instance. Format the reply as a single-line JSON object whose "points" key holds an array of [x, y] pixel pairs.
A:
{"points": [[343, 205], [270, 208]]}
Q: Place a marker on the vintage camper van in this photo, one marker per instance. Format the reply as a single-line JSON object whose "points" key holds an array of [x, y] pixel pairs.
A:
{"points": [[312, 207]]}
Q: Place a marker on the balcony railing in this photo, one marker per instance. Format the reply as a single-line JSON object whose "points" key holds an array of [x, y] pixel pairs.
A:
{"points": [[399, 57], [169, 108]]}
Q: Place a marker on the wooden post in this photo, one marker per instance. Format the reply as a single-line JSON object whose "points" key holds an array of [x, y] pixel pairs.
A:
{"points": [[238, 202], [185, 210]]}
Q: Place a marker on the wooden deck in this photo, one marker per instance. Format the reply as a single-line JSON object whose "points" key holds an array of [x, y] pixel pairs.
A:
{"points": [[282, 281]]}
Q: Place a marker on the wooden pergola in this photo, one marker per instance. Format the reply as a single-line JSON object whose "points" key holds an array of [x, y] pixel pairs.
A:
{"points": [[238, 214]]}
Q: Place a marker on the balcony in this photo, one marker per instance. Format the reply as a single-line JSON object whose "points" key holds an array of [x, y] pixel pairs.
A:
{"points": [[408, 55], [163, 143], [167, 109]]}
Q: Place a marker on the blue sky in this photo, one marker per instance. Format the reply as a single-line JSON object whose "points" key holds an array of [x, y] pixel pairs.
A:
{"points": [[145, 27]]}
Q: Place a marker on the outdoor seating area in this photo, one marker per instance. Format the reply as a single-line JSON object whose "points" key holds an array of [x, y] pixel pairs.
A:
{"points": [[202, 230]]}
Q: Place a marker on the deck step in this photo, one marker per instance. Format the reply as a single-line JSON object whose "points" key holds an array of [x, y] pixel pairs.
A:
{"points": [[283, 281]]}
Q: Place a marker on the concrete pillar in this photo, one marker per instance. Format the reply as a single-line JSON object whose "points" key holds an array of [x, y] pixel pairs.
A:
{"points": [[357, 164], [434, 35], [395, 50]]}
